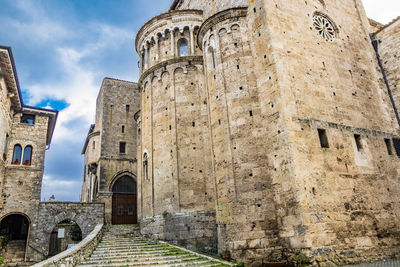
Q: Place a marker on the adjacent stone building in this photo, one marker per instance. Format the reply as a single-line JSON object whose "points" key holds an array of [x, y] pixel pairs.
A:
{"points": [[110, 152], [388, 47], [266, 127], [25, 134]]}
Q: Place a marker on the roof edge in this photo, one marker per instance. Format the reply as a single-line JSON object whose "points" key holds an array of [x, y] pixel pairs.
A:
{"points": [[11, 55], [387, 25]]}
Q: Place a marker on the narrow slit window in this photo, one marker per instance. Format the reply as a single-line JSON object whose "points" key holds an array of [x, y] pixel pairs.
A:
{"points": [[357, 138], [388, 146], [123, 129], [122, 147], [94, 145], [145, 165], [396, 143], [6, 144], [323, 138], [127, 108], [211, 57]]}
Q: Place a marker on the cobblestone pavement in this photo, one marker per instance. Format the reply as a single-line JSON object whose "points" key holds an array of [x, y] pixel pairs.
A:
{"points": [[383, 263]]}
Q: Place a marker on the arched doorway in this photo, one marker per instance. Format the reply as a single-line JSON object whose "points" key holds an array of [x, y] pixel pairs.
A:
{"points": [[14, 229], [124, 207], [65, 235]]}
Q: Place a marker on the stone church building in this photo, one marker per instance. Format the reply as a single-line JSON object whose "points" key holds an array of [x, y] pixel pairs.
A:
{"points": [[258, 128]]}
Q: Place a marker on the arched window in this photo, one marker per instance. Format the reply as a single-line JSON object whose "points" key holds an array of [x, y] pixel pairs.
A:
{"points": [[17, 154], [27, 155], [211, 56], [143, 59], [182, 47]]}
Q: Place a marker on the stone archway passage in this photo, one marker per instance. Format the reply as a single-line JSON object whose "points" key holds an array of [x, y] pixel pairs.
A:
{"points": [[15, 229], [124, 201]]}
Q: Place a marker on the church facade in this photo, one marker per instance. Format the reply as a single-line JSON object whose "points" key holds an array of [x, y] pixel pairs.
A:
{"points": [[261, 128]]}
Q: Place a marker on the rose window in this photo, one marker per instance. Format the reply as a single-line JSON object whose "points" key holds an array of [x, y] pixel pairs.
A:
{"points": [[324, 27]]}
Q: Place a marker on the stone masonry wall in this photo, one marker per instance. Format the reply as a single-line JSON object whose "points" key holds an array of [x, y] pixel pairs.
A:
{"points": [[389, 51], [49, 214], [335, 82], [117, 103], [195, 230], [177, 177], [275, 86], [116, 96], [348, 210], [174, 134], [210, 7], [22, 183], [76, 254], [5, 125], [245, 137]]}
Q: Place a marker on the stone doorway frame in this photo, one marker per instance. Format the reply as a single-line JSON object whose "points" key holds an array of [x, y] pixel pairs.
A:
{"points": [[29, 227], [116, 177]]}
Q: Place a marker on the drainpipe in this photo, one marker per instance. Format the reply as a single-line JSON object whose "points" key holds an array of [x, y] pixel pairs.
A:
{"points": [[375, 44]]}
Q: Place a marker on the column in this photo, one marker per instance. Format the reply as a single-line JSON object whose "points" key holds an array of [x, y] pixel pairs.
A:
{"points": [[157, 48], [172, 43], [191, 41]]}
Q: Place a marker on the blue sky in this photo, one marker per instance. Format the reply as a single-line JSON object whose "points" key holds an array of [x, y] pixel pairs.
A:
{"points": [[64, 48]]}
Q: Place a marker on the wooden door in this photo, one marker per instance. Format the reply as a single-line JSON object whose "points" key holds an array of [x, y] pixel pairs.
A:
{"points": [[124, 209]]}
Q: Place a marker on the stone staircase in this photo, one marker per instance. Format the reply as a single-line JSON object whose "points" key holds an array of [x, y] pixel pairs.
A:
{"points": [[122, 245], [15, 254]]}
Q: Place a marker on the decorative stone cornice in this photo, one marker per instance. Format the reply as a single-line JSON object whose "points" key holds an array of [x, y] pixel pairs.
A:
{"points": [[165, 63], [236, 12]]}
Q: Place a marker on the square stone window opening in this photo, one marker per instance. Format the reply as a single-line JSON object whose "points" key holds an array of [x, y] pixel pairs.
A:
{"points": [[359, 145], [323, 138], [122, 147], [396, 143], [28, 118], [388, 146]]}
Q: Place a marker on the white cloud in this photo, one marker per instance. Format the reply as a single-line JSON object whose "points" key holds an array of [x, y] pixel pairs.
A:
{"points": [[36, 26], [382, 11], [61, 189], [77, 64]]}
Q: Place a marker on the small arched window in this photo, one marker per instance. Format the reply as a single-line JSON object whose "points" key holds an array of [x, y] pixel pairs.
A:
{"points": [[182, 47], [17, 154], [143, 59], [211, 55], [27, 155]]}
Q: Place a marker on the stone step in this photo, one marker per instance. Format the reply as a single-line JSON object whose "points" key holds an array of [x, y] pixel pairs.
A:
{"points": [[129, 248], [188, 262], [123, 243], [119, 247], [137, 253], [150, 258], [133, 246]]}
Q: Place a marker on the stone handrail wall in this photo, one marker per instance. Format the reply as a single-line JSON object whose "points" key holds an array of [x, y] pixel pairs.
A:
{"points": [[76, 254]]}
